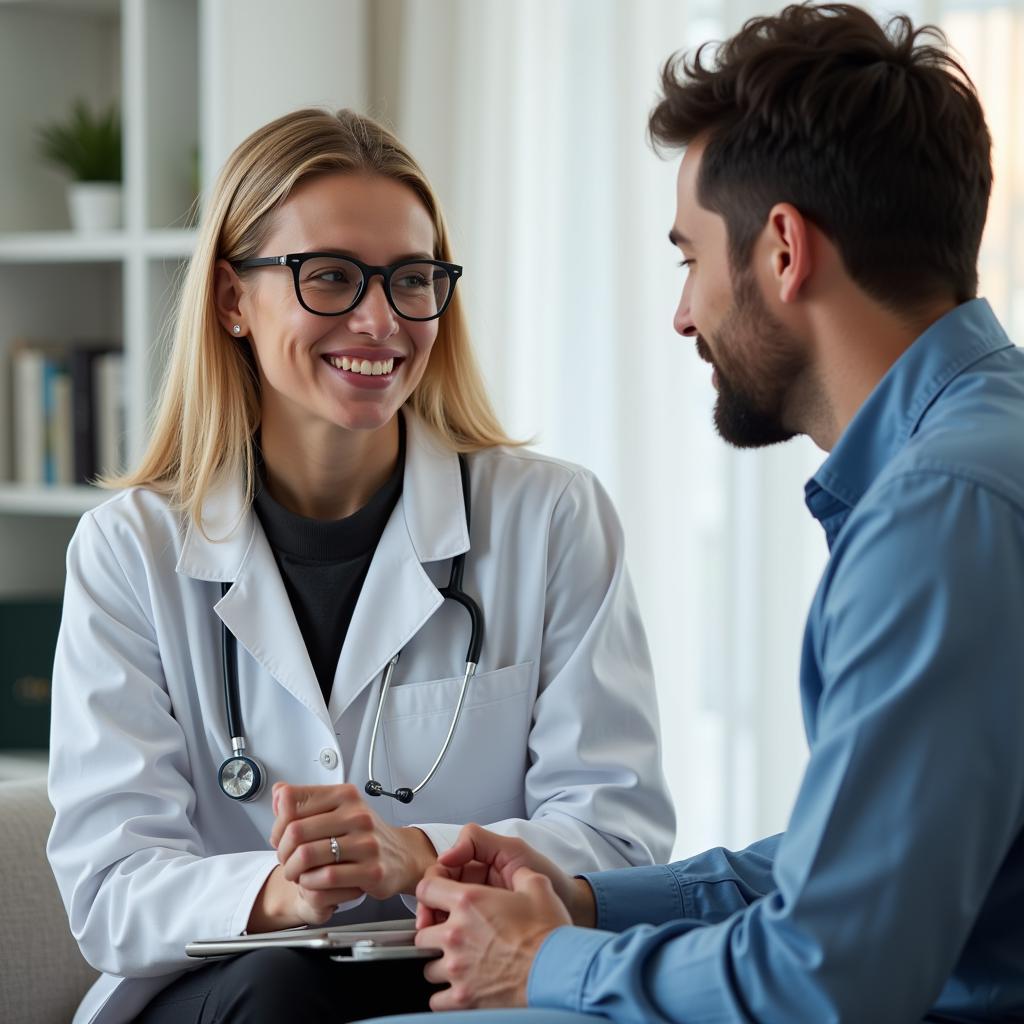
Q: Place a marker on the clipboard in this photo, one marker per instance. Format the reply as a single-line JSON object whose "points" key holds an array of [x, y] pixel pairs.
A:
{"points": [[347, 943]]}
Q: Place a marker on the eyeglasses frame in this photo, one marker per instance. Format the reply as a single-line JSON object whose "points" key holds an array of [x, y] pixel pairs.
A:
{"points": [[295, 260]]}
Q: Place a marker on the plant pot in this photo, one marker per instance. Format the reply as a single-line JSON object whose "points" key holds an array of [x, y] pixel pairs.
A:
{"points": [[95, 205]]}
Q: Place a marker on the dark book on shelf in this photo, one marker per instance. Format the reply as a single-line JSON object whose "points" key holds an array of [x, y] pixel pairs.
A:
{"points": [[28, 637], [84, 407]]}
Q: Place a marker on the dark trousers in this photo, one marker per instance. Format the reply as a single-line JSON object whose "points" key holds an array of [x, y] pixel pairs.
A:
{"points": [[275, 985]]}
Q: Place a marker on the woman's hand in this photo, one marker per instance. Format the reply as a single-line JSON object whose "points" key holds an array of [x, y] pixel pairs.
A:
{"points": [[480, 857], [374, 858]]}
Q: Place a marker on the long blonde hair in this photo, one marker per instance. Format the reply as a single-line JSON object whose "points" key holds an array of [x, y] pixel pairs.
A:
{"points": [[209, 406]]}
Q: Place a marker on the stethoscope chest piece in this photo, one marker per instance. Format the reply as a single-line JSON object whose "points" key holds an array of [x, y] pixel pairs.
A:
{"points": [[241, 777]]}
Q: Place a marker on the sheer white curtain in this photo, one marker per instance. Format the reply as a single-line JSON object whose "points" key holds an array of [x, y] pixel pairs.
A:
{"points": [[530, 118]]}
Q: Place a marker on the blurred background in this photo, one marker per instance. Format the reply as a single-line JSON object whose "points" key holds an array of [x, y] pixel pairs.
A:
{"points": [[530, 118]]}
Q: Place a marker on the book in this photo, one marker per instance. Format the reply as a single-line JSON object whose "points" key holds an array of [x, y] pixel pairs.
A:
{"points": [[108, 381], [28, 637], [56, 420], [61, 427], [110, 413], [29, 423], [84, 411]]}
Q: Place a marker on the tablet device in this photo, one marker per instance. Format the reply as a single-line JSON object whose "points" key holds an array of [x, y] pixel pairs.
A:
{"points": [[373, 940]]}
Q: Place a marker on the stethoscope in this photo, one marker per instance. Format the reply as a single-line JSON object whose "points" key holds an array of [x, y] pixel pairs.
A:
{"points": [[242, 777]]}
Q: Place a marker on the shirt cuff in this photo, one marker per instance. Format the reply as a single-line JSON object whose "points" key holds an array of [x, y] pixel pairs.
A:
{"points": [[560, 968], [442, 836], [629, 896]]}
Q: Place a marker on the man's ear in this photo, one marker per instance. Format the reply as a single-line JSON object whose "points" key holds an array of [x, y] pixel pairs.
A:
{"points": [[227, 294], [789, 250]]}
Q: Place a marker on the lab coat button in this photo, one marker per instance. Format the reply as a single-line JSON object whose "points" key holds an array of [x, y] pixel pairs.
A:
{"points": [[328, 758]]}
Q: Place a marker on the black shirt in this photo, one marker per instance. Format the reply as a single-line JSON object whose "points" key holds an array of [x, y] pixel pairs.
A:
{"points": [[323, 563]]}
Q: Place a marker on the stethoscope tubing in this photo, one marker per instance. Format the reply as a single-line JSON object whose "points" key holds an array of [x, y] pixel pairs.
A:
{"points": [[229, 670], [452, 592]]}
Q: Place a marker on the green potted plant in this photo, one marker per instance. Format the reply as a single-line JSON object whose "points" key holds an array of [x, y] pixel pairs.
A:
{"points": [[88, 146]]}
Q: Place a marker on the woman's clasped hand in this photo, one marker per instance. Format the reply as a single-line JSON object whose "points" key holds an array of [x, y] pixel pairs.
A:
{"points": [[373, 858]]}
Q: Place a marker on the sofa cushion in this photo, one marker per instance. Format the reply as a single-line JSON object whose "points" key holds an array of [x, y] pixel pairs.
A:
{"points": [[42, 974]]}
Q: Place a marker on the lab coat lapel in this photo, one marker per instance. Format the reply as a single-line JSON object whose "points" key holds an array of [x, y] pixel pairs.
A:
{"points": [[398, 597], [256, 609]]}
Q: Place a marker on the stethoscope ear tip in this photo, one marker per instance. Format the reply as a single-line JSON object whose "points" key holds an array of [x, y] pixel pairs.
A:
{"points": [[373, 788], [403, 795]]}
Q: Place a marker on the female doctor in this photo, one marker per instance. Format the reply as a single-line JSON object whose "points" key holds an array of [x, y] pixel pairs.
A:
{"points": [[265, 639]]}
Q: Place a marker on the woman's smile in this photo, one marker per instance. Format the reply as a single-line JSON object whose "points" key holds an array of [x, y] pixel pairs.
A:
{"points": [[364, 368]]}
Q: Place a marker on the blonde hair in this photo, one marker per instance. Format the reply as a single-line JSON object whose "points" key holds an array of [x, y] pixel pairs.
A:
{"points": [[209, 407]]}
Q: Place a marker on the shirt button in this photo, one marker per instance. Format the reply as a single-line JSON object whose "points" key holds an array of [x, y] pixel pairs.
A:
{"points": [[329, 758]]}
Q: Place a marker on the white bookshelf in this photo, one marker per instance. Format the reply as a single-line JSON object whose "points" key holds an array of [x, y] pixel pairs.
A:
{"points": [[192, 78]]}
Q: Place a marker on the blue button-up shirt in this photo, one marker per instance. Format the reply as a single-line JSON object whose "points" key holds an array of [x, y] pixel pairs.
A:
{"points": [[897, 890]]}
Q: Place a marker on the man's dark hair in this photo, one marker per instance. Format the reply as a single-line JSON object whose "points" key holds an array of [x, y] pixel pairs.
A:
{"points": [[874, 135]]}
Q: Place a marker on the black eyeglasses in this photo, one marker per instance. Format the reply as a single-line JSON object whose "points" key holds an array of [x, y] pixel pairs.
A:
{"points": [[328, 284]]}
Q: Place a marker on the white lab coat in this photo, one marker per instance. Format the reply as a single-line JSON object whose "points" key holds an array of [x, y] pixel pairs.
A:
{"points": [[558, 742]]}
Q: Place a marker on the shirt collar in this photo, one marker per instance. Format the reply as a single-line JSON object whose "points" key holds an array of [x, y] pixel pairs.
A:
{"points": [[894, 409]]}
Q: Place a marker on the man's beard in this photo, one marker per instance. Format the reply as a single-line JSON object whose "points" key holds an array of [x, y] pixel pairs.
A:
{"points": [[757, 361]]}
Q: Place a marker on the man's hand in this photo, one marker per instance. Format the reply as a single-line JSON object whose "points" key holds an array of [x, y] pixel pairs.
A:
{"points": [[483, 858], [489, 937]]}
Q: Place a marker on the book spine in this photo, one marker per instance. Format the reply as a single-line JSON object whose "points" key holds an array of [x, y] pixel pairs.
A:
{"points": [[56, 422], [83, 413], [29, 424], [110, 409], [62, 428]]}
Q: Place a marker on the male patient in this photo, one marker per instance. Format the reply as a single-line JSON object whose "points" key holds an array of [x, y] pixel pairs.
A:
{"points": [[830, 206]]}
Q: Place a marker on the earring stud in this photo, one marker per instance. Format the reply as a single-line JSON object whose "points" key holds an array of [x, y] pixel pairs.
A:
{"points": [[237, 329]]}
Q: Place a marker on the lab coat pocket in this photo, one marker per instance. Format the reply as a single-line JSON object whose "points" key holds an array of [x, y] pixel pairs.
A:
{"points": [[487, 760]]}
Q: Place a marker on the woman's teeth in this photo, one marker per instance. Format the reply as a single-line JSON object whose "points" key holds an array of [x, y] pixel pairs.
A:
{"points": [[364, 366]]}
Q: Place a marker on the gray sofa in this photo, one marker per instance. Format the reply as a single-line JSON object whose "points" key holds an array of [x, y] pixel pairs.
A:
{"points": [[42, 974]]}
